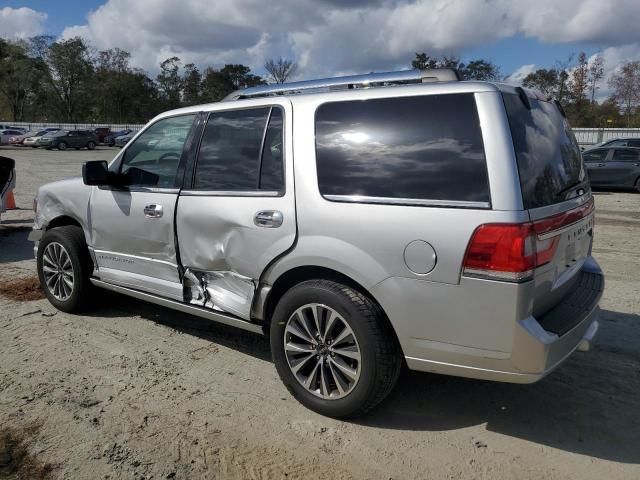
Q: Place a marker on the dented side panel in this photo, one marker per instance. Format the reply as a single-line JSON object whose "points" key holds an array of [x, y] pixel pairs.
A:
{"points": [[222, 246]]}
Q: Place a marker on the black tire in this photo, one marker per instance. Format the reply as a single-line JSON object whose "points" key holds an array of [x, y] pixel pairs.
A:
{"points": [[381, 358], [72, 239], [62, 146], [91, 146], [638, 185]]}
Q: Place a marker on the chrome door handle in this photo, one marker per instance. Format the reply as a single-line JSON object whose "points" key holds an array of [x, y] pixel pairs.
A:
{"points": [[601, 164], [268, 219], [153, 211]]}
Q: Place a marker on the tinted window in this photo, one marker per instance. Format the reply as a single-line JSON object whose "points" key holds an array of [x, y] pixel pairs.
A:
{"points": [[231, 157], [595, 156], [159, 148], [617, 143], [547, 153], [633, 143], [426, 148], [271, 172], [626, 155]]}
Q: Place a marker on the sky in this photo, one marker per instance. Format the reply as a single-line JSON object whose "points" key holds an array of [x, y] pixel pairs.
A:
{"points": [[330, 37]]}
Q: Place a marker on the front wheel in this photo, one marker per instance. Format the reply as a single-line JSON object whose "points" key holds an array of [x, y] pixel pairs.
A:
{"points": [[62, 146], [638, 185], [334, 349], [64, 267], [91, 145]]}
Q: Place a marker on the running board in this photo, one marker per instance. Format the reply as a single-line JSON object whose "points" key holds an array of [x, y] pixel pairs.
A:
{"points": [[182, 307]]}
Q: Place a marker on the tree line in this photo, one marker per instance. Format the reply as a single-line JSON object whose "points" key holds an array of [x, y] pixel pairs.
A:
{"points": [[68, 80]]}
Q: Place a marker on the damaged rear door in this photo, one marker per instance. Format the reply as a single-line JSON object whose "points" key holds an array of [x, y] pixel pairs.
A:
{"points": [[236, 212]]}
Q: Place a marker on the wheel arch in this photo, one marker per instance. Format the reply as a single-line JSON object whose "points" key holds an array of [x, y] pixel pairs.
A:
{"points": [[299, 274]]}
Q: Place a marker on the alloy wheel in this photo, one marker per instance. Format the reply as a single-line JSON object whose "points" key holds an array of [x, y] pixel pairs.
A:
{"points": [[322, 351], [58, 271]]}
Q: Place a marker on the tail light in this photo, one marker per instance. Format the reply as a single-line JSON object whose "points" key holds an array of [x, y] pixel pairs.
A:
{"points": [[512, 251], [509, 252]]}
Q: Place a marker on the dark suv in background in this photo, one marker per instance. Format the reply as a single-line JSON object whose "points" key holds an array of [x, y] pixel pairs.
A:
{"points": [[617, 167], [70, 139]]}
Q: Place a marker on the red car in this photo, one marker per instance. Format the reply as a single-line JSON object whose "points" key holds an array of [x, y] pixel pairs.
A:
{"points": [[101, 133]]}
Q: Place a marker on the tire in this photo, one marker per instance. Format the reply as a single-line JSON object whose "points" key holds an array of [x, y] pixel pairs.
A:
{"points": [[638, 185], [71, 240], [62, 146], [91, 146], [372, 377]]}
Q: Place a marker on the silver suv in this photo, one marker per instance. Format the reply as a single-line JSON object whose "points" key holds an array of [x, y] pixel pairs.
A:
{"points": [[362, 223]]}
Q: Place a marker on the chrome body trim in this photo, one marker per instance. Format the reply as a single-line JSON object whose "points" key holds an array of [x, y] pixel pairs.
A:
{"points": [[406, 201], [182, 307], [225, 193]]}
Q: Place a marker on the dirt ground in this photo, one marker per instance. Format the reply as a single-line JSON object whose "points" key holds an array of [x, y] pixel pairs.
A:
{"points": [[137, 391]]}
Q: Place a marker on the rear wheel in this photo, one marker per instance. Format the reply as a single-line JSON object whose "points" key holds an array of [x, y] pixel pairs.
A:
{"points": [[64, 267], [638, 185], [62, 146], [333, 348]]}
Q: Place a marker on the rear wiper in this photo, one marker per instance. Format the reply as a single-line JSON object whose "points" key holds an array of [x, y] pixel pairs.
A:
{"points": [[573, 186]]}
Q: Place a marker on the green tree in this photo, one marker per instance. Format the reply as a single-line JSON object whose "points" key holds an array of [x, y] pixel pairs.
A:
{"points": [[20, 77], [544, 80], [241, 76], [479, 69], [69, 77], [192, 85], [215, 85], [170, 82], [626, 88]]}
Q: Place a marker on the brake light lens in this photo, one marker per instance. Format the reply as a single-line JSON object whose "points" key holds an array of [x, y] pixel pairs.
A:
{"points": [[508, 252]]}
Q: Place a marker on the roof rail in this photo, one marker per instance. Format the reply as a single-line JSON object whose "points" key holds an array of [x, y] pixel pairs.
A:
{"points": [[402, 77]]}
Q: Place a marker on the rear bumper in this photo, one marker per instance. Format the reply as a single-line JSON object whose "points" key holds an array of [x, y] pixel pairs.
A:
{"points": [[534, 352]]}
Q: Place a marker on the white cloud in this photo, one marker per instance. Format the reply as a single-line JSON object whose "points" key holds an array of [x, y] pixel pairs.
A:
{"points": [[517, 77], [328, 37], [20, 22]]}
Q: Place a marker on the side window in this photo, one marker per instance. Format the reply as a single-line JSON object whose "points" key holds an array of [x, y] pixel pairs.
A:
{"points": [[618, 143], [158, 150], [634, 143], [415, 148], [626, 155], [240, 152], [594, 156]]}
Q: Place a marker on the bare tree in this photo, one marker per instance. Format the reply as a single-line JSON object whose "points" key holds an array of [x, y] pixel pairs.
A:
{"points": [[626, 87], [578, 82], [596, 73], [280, 70]]}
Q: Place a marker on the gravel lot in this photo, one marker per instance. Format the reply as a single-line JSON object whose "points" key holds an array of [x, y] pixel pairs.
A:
{"points": [[138, 391]]}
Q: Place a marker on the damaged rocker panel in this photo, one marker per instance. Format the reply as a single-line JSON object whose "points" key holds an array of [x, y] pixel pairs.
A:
{"points": [[224, 291]]}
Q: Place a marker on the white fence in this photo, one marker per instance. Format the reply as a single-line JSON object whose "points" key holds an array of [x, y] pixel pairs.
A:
{"points": [[590, 136]]}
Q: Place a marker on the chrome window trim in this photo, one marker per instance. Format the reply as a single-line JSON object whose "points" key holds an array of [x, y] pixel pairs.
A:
{"points": [[229, 193], [407, 201], [172, 190], [246, 193]]}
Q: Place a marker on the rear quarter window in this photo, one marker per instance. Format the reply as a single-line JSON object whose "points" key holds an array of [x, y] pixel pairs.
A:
{"points": [[424, 148]]}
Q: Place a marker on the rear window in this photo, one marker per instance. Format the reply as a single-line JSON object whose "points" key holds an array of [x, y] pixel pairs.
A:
{"points": [[411, 150], [547, 152]]}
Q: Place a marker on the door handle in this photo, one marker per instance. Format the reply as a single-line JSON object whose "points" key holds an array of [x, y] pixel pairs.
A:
{"points": [[601, 164], [153, 211], [268, 219]]}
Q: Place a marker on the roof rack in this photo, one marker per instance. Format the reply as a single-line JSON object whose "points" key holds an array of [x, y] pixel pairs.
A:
{"points": [[403, 77]]}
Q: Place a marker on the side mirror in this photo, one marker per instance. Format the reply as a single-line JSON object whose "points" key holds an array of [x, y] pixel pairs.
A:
{"points": [[95, 173]]}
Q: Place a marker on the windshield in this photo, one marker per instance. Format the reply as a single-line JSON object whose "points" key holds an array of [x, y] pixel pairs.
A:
{"points": [[548, 156]]}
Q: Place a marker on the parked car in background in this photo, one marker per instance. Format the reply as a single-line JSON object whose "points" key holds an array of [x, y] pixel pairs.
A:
{"points": [[70, 139], [111, 138], [102, 133], [616, 142], [34, 140], [122, 140], [8, 126], [617, 167], [18, 139], [5, 135]]}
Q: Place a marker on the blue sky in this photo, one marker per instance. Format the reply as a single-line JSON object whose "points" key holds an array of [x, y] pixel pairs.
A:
{"points": [[338, 36]]}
